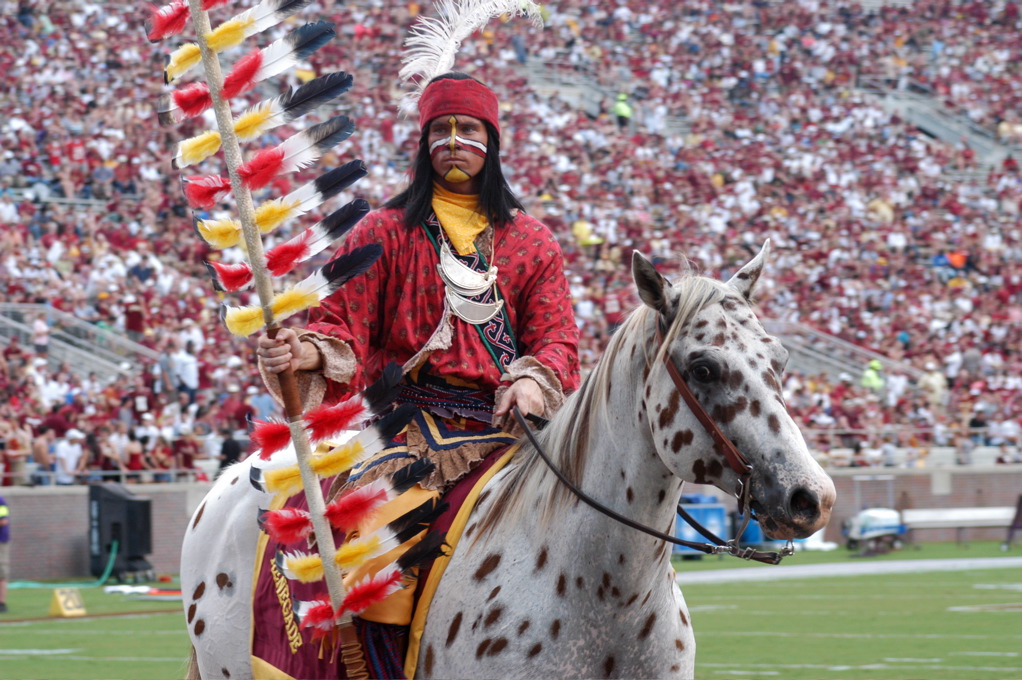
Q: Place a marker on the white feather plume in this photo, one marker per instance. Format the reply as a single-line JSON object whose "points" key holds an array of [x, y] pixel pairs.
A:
{"points": [[434, 42]]}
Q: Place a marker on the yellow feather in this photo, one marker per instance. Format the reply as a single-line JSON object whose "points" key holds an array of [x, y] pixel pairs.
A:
{"points": [[272, 214], [244, 321], [252, 123], [287, 479], [306, 568], [338, 460], [228, 34], [292, 301], [182, 59], [199, 147], [353, 553], [220, 234]]}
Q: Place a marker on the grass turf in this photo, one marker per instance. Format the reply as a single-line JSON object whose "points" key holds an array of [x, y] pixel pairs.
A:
{"points": [[938, 626]]}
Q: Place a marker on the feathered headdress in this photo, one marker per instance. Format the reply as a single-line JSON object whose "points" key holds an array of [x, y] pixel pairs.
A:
{"points": [[433, 43]]}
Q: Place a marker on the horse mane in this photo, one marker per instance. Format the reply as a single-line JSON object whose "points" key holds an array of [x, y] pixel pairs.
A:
{"points": [[566, 439]]}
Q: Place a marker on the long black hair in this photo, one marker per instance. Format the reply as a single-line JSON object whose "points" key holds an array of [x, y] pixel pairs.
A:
{"points": [[496, 200]]}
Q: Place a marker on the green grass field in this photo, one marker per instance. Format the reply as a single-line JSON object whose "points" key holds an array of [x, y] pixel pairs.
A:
{"points": [[935, 626]]}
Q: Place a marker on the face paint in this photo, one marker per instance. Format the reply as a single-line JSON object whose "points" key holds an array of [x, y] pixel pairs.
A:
{"points": [[454, 143]]}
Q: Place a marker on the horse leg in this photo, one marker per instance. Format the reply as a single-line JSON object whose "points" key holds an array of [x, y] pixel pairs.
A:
{"points": [[217, 563]]}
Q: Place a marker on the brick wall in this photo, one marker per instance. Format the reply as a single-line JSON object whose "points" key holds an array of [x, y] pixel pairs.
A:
{"points": [[985, 486], [49, 525]]}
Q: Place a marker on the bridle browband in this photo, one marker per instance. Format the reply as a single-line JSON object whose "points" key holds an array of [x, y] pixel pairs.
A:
{"points": [[722, 444]]}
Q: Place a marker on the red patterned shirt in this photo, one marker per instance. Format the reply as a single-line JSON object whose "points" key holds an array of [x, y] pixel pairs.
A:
{"points": [[388, 314]]}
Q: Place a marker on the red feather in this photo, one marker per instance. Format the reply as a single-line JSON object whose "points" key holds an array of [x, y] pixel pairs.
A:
{"points": [[210, 4], [369, 591], [262, 168], [285, 257], [320, 616], [270, 436], [166, 21], [193, 100], [288, 525], [329, 421], [241, 79], [232, 277], [353, 507], [203, 192]]}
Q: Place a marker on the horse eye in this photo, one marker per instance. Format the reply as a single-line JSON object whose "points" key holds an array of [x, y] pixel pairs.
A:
{"points": [[702, 372]]}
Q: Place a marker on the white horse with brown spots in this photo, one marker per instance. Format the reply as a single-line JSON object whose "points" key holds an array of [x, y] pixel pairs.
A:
{"points": [[542, 585]]}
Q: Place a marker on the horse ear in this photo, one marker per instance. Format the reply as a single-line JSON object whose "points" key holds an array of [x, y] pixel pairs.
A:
{"points": [[745, 280], [652, 286]]}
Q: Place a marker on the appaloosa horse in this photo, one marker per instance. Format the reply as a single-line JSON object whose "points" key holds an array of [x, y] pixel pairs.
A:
{"points": [[542, 585]]}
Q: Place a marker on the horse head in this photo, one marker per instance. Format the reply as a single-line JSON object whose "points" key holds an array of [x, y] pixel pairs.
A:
{"points": [[733, 368]]}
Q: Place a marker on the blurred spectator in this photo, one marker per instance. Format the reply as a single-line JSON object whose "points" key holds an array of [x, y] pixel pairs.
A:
{"points": [[5, 555], [263, 405], [871, 377], [230, 450], [40, 336], [70, 458], [43, 455], [163, 460]]}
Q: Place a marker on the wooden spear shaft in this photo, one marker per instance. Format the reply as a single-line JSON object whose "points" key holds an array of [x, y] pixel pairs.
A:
{"points": [[351, 648]]}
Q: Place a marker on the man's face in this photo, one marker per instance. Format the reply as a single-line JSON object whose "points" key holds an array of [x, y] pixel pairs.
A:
{"points": [[457, 147]]}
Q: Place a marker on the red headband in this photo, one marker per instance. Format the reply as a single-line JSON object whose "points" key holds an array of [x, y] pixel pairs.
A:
{"points": [[453, 96]]}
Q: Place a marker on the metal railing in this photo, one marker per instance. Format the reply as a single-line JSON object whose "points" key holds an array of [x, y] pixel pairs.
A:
{"points": [[832, 354], [84, 347]]}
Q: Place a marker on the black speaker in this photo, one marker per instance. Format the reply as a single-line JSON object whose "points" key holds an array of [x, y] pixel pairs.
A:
{"points": [[117, 515]]}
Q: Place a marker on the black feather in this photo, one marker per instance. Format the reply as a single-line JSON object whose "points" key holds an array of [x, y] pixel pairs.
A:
{"points": [[428, 549], [213, 276], [165, 110], [308, 38], [255, 478], [390, 425], [289, 7], [315, 93], [340, 221], [261, 516], [416, 519], [329, 184], [332, 132], [411, 474], [346, 267], [384, 391]]}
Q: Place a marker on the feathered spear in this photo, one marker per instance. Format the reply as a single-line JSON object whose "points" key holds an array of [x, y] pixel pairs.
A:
{"points": [[231, 33], [217, 90], [194, 99], [267, 115]]}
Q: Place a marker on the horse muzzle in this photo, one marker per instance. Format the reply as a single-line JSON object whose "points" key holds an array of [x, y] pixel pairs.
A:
{"points": [[801, 513]]}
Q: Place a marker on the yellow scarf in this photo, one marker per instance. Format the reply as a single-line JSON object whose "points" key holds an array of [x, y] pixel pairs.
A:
{"points": [[460, 217]]}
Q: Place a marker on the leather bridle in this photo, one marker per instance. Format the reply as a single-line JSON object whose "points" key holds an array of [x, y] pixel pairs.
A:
{"points": [[721, 443]]}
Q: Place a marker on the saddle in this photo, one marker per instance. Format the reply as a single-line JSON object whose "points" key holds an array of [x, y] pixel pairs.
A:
{"points": [[389, 630]]}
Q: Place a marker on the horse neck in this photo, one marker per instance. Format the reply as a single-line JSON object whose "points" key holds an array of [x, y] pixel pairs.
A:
{"points": [[602, 440]]}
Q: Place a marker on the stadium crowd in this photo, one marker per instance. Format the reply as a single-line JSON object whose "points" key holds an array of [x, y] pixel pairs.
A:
{"points": [[881, 236]]}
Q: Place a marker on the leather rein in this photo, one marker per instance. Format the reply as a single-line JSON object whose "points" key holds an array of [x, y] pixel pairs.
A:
{"points": [[723, 445]]}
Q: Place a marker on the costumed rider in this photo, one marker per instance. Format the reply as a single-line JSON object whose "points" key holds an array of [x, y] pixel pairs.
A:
{"points": [[469, 297]]}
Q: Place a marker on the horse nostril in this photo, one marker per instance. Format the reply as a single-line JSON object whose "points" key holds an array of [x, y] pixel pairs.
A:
{"points": [[804, 505]]}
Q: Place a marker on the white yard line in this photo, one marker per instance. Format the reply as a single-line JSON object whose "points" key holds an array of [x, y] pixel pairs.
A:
{"points": [[779, 572]]}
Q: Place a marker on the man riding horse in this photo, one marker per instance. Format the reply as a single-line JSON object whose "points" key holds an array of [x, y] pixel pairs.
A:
{"points": [[469, 297]]}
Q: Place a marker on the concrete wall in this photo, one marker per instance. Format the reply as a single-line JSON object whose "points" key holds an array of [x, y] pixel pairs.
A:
{"points": [[49, 525]]}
